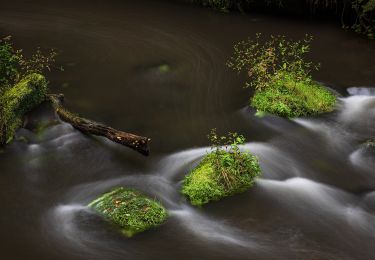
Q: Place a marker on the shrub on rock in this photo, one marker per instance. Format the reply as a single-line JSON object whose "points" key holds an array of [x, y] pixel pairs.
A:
{"points": [[281, 75], [223, 172]]}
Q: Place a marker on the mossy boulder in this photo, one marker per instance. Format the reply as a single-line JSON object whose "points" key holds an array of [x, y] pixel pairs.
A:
{"points": [[288, 97], [220, 174], [18, 100], [130, 210]]}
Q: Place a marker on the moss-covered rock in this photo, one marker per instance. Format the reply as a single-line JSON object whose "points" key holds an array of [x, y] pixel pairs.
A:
{"points": [[18, 100], [220, 174], [288, 97], [130, 210]]}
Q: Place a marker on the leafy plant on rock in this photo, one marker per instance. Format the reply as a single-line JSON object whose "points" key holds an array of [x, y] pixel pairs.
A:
{"points": [[225, 171], [279, 71], [14, 65]]}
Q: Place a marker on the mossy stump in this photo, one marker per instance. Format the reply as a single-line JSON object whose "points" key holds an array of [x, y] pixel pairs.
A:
{"points": [[130, 210], [17, 101], [210, 182]]}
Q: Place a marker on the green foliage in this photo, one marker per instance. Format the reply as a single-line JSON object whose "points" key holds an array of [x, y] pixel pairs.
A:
{"points": [[18, 100], [262, 60], [281, 75], [14, 65], [365, 17], [9, 60], [369, 6], [130, 210], [223, 172]]}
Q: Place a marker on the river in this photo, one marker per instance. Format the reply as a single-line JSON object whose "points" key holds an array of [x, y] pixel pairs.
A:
{"points": [[157, 68]]}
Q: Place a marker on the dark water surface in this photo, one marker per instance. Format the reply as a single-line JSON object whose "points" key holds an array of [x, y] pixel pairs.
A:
{"points": [[158, 69]]}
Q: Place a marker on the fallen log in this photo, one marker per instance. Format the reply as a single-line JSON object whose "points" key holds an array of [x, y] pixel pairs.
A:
{"points": [[138, 143]]}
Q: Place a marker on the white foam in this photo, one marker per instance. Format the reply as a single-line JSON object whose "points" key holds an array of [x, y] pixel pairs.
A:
{"points": [[154, 185], [274, 163], [301, 191], [322, 203], [358, 109], [358, 159], [210, 229], [336, 137], [361, 91], [64, 224], [173, 164]]}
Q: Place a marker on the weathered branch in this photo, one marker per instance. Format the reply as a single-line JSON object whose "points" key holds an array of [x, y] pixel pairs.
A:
{"points": [[138, 143]]}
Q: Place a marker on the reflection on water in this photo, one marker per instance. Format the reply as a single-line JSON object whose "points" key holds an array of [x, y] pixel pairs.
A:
{"points": [[160, 72]]}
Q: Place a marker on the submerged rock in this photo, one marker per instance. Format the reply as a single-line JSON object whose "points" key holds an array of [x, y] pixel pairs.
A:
{"points": [[130, 210], [208, 183]]}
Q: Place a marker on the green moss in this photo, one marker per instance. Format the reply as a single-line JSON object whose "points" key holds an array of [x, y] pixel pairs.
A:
{"points": [[18, 100], [369, 6], [130, 210], [288, 97], [209, 182]]}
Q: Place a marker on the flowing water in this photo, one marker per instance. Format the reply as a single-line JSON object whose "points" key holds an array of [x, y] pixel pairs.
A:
{"points": [[157, 68]]}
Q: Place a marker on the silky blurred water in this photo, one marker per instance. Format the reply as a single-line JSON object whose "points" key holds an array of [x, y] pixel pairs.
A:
{"points": [[157, 68]]}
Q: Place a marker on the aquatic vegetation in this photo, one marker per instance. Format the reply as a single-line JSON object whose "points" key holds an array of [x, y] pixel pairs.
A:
{"points": [[130, 210], [17, 100], [281, 75], [223, 172]]}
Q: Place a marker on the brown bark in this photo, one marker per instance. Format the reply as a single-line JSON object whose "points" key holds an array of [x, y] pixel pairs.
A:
{"points": [[138, 143]]}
